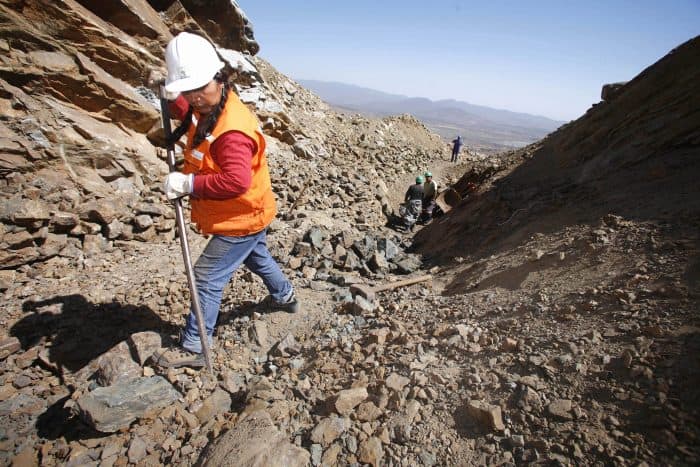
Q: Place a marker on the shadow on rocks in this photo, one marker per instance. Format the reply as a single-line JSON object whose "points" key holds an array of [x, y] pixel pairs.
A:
{"points": [[464, 424], [59, 421], [78, 331], [396, 223]]}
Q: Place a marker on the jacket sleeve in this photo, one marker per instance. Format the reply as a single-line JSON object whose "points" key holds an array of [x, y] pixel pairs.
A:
{"points": [[179, 107], [233, 153]]}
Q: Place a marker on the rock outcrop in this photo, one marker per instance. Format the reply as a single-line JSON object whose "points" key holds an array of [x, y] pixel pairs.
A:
{"points": [[635, 156]]}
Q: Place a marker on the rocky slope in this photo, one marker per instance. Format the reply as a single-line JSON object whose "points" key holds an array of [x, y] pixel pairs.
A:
{"points": [[584, 259], [82, 210], [536, 341]]}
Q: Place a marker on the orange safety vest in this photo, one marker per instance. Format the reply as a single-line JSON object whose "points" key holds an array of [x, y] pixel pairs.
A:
{"points": [[248, 213]]}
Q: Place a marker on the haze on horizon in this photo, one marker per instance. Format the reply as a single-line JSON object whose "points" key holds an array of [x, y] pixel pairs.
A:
{"points": [[546, 58]]}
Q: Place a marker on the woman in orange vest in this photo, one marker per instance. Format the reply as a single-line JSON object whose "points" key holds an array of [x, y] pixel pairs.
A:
{"points": [[226, 176]]}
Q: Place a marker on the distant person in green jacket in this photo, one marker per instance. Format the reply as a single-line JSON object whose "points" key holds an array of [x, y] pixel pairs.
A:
{"points": [[456, 146]]}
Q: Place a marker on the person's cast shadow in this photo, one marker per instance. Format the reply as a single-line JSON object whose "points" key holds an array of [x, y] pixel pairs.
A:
{"points": [[72, 332], [75, 331]]}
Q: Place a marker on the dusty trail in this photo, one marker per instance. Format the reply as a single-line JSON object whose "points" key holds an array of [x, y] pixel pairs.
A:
{"points": [[444, 172]]}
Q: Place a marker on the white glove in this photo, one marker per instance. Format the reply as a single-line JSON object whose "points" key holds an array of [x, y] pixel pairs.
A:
{"points": [[178, 184]]}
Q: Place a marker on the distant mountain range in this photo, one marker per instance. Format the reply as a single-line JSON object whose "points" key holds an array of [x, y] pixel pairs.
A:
{"points": [[482, 128]]}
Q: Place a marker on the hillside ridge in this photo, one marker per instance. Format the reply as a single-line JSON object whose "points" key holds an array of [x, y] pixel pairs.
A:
{"points": [[484, 128]]}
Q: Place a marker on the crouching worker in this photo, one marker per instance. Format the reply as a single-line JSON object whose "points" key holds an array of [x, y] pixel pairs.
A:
{"points": [[410, 210], [226, 176]]}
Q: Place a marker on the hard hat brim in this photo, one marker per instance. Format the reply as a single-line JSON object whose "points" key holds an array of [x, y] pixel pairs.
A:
{"points": [[189, 83]]}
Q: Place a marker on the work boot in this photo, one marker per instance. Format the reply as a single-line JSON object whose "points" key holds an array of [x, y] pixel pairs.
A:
{"points": [[175, 357], [269, 304]]}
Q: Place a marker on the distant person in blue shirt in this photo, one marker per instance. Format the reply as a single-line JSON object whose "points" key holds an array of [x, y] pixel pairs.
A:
{"points": [[456, 146]]}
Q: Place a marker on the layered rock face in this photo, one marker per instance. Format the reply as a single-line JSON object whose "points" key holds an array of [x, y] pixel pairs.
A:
{"points": [[78, 170]]}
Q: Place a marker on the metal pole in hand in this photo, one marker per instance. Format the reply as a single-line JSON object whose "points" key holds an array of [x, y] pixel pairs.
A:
{"points": [[180, 219]]}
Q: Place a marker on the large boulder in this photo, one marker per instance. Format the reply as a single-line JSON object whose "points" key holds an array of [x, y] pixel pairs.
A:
{"points": [[253, 442]]}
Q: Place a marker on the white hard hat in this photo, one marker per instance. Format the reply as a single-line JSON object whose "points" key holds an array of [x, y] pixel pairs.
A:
{"points": [[192, 62]]}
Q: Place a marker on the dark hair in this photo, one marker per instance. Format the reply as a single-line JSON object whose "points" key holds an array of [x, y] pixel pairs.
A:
{"points": [[206, 125]]}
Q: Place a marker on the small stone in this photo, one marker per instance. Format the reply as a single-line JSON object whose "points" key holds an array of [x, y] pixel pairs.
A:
{"points": [[8, 346], [348, 399], [402, 431], [328, 430], [137, 450], [396, 382], [360, 305], [143, 221], [487, 415], [257, 332], [509, 345], [117, 364], [316, 453], [192, 395], [371, 451], [330, 456], [145, 343], [612, 420], [21, 381], [531, 381], [287, 347], [111, 449], [7, 391], [517, 441], [218, 402], [383, 435], [7, 279], [378, 336], [368, 412], [233, 381], [412, 408], [560, 408], [351, 444]]}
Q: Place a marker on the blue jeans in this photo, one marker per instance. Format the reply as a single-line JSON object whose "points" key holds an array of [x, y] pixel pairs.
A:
{"points": [[455, 153], [214, 268]]}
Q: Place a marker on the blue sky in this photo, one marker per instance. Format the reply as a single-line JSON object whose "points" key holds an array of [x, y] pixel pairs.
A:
{"points": [[541, 57]]}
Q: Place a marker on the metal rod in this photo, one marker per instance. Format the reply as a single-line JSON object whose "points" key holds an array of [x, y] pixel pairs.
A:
{"points": [[180, 219]]}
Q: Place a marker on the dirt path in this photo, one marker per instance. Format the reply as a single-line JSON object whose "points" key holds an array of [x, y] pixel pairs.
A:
{"points": [[444, 173]]}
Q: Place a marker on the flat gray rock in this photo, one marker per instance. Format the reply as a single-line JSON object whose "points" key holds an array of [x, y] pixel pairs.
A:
{"points": [[109, 409]]}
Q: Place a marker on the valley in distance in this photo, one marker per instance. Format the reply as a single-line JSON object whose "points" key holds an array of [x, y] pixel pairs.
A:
{"points": [[483, 129]]}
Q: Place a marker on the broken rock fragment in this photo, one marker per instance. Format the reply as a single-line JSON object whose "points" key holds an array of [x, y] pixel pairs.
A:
{"points": [[328, 430], [348, 399], [115, 407], [8, 346], [254, 441], [560, 409], [486, 415]]}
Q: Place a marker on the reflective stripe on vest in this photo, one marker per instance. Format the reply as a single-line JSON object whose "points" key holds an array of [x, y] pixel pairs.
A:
{"points": [[250, 212]]}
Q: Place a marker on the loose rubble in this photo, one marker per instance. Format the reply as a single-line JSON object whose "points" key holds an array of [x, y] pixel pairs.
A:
{"points": [[541, 337]]}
